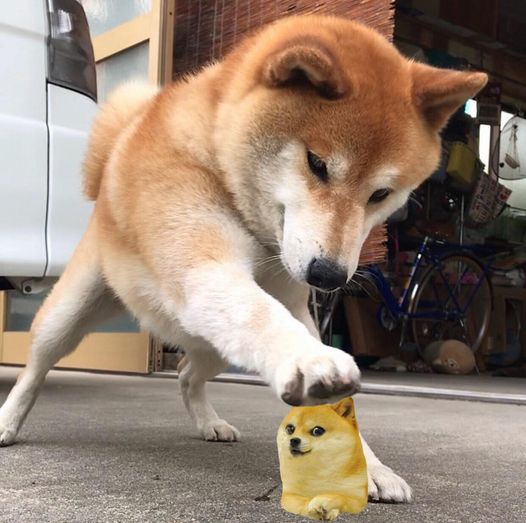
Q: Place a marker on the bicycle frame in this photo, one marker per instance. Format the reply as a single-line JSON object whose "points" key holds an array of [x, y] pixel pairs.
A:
{"points": [[399, 308]]}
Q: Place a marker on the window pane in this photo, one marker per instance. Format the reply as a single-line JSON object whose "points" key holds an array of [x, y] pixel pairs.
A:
{"points": [[131, 64], [104, 15], [21, 309]]}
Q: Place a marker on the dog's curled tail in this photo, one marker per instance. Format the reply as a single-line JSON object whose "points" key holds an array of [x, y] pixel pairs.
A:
{"points": [[115, 115]]}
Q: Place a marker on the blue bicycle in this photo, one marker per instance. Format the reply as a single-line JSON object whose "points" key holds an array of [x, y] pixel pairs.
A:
{"points": [[448, 296]]}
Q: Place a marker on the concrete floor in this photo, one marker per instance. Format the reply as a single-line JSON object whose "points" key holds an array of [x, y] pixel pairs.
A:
{"points": [[102, 448]]}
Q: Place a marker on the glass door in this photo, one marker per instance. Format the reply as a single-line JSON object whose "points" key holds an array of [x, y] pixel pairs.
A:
{"points": [[132, 39]]}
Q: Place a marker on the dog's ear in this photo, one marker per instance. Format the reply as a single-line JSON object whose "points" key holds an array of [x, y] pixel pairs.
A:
{"points": [[438, 93], [307, 63], [345, 408]]}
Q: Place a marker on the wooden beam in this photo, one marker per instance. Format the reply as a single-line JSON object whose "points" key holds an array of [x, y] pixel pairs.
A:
{"points": [[126, 35], [481, 16], [154, 49], [115, 352], [160, 59], [167, 41], [3, 316], [503, 67]]}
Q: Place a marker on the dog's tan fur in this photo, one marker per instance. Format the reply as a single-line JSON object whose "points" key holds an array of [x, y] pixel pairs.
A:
{"points": [[205, 204]]}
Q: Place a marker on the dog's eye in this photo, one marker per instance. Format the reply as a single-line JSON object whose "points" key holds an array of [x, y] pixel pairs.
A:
{"points": [[289, 429], [318, 431], [379, 196], [317, 166]]}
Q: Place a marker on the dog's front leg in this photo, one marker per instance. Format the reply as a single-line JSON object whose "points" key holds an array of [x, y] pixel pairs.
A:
{"points": [[225, 306], [384, 484]]}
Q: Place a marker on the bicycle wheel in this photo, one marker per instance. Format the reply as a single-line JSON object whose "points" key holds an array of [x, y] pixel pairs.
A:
{"points": [[453, 301]]}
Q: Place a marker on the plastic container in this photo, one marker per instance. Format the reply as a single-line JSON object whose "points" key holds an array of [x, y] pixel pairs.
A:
{"points": [[461, 165]]}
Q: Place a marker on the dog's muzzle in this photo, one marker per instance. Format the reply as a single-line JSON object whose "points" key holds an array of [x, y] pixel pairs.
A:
{"points": [[295, 447], [326, 274]]}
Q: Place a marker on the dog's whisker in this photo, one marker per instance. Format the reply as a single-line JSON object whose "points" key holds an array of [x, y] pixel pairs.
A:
{"points": [[266, 261]]}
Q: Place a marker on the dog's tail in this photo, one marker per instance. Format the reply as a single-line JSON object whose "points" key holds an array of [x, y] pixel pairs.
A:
{"points": [[118, 111]]}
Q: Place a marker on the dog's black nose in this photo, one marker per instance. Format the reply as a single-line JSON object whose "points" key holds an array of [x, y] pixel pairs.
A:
{"points": [[295, 442], [326, 274]]}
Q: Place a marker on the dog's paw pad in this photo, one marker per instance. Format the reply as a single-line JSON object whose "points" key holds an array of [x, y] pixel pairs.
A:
{"points": [[386, 486], [293, 390], [318, 377], [220, 430], [323, 390]]}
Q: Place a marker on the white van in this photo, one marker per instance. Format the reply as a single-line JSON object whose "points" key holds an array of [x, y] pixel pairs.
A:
{"points": [[48, 98]]}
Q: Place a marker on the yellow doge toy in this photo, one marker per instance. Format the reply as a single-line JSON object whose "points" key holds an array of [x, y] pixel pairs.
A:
{"points": [[322, 465]]}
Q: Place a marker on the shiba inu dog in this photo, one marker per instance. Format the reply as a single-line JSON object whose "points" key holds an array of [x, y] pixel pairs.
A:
{"points": [[321, 460], [221, 198]]}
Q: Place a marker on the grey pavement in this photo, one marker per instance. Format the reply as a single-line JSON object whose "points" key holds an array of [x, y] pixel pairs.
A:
{"points": [[102, 448]]}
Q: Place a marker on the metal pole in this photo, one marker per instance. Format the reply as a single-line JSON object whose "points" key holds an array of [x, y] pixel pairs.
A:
{"points": [[462, 209]]}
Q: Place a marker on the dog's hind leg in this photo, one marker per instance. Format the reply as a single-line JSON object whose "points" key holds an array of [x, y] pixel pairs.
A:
{"points": [[79, 300], [202, 364]]}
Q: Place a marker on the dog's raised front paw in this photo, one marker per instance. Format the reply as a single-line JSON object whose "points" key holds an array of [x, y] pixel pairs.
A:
{"points": [[386, 486], [220, 430], [317, 376], [322, 509]]}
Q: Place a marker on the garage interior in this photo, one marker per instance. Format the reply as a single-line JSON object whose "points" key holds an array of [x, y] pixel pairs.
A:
{"points": [[474, 205]]}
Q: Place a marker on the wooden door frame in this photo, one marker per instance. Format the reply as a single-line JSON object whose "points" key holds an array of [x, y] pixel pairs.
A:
{"points": [[155, 27]]}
